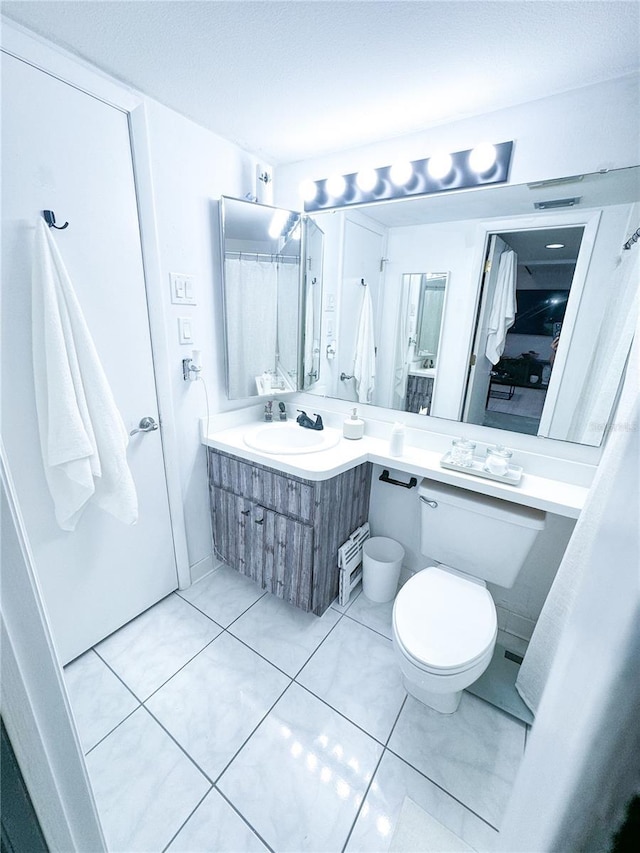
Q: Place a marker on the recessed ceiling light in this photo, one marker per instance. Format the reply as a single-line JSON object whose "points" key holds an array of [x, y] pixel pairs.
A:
{"points": [[554, 246]]}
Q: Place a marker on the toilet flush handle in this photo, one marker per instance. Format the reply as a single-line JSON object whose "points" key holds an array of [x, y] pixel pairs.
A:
{"points": [[432, 504]]}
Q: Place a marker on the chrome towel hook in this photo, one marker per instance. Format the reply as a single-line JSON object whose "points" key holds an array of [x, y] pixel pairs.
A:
{"points": [[50, 219]]}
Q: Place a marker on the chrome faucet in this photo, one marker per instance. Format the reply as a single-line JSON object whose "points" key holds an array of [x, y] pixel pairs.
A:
{"points": [[305, 421]]}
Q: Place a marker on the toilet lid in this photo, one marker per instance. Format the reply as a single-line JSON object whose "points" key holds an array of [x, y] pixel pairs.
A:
{"points": [[443, 620]]}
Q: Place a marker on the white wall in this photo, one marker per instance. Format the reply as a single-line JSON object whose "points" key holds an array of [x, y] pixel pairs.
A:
{"points": [[191, 168], [584, 130]]}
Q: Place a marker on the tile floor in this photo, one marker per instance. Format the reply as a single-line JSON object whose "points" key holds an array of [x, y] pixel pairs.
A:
{"points": [[225, 720]]}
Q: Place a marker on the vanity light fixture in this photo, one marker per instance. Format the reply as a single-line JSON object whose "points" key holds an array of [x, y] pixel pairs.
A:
{"points": [[277, 223], [401, 173], [475, 167], [440, 165], [483, 158], [308, 190], [336, 185], [367, 180]]}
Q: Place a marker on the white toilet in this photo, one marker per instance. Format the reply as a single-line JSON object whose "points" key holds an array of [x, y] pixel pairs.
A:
{"points": [[444, 619]]}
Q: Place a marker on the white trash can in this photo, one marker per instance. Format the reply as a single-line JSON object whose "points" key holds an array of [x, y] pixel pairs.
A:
{"points": [[381, 564]]}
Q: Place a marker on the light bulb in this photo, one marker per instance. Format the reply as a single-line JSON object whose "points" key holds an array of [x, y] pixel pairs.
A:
{"points": [[367, 179], [277, 224], [400, 173], [482, 158], [336, 185], [308, 190], [554, 246], [439, 166]]}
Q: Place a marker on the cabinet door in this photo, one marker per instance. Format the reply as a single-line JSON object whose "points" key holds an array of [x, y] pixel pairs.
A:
{"points": [[230, 521], [288, 558], [272, 549]]}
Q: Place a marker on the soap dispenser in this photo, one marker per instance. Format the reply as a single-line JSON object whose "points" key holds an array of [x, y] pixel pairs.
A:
{"points": [[353, 427]]}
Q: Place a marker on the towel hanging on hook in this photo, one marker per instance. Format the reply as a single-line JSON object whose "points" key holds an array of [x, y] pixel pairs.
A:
{"points": [[50, 219]]}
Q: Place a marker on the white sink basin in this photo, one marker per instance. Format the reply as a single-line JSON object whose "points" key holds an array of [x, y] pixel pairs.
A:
{"points": [[289, 438]]}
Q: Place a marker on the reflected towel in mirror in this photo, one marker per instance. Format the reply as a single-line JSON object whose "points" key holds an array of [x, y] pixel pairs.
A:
{"points": [[503, 306], [364, 365]]}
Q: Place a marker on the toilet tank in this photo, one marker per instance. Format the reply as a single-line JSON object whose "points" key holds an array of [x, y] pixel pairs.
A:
{"points": [[485, 537]]}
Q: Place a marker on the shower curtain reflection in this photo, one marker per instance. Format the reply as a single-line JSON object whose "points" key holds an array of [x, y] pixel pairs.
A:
{"points": [[252, 322]]}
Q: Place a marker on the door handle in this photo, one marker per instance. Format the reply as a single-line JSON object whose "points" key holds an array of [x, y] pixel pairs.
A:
{"points": [[145, 425]]}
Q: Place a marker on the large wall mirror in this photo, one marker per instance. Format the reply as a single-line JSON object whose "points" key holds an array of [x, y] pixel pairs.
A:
{"points": [[512, 307]]}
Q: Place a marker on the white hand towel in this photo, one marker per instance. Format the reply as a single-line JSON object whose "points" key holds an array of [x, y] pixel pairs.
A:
{"points": [[82, 437], [503, 307], [403, 348], [364, 367]]}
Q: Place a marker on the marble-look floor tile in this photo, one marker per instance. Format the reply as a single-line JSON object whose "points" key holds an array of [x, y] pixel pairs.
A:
{"points": [[373, 615], [215, 826], [302, 776], [355, 671], [145, 786], [223, 595], [99, 700], [152, 647], [395, 780], [342, 608], [213, 704], [285, 635], [473, 754]]}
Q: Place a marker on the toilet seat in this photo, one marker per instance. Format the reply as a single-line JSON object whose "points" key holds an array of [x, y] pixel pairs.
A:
{"points": [[443, 622]]}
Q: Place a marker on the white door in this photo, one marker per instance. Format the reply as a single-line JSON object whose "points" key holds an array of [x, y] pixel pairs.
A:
{"points": [[480, 371], [69, 152]]}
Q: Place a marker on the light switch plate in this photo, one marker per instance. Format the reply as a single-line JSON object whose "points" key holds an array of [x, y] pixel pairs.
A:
{"points": [[182, 288], [185, 330]]}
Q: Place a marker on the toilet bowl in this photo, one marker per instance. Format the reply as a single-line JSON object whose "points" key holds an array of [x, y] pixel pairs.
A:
{"points": [[444, 633], [444, 618]]}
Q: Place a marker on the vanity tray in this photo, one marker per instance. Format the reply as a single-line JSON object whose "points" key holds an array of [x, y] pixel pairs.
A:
{"points": [[512, 477]]}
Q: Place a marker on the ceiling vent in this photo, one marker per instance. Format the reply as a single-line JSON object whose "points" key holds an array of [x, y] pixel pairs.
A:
{"points": [[554, 182], [557, 202]]}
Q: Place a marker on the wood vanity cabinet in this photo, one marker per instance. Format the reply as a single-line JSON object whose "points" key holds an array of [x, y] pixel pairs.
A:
{"points": [[284, 531], [419, 393]]}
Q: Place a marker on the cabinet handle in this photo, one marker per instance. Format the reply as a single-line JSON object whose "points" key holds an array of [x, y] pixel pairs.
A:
{"points": [[245, 511], [259, 520]]}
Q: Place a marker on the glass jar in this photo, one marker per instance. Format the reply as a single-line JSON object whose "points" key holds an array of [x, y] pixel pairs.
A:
{"points": [[498, 460], [462, 452]]}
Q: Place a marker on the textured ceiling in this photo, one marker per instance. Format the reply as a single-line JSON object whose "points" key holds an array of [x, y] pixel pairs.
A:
{"points": [[297, 79]]}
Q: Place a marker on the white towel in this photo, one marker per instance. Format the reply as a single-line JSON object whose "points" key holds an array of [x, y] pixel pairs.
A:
{"points": [[403, 348], [503, 307], [82, 437], [364, 367]]}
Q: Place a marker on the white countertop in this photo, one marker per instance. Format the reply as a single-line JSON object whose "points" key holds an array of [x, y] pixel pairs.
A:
{"points": [[429, 372], [555, 496]]}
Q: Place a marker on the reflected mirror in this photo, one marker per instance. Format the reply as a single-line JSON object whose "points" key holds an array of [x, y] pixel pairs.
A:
{"points": [[261, 297], [313, 253], [540, 350]]}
